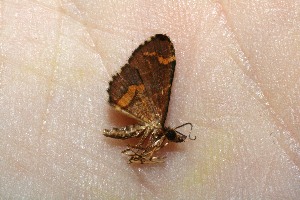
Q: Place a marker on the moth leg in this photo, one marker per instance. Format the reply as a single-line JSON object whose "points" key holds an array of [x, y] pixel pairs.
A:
{"points": [[126, 132], [146, 160], [157, 159], [130, 152], [147, 155], [134, 150], [138, 148], [142, 140], [155, 146]]}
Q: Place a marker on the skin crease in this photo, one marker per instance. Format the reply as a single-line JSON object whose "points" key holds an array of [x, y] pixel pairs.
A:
{"points": [[236, 80]]}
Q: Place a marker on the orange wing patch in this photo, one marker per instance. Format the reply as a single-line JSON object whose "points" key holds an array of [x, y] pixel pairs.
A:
{"points": [[161, 59], [130, 94]]}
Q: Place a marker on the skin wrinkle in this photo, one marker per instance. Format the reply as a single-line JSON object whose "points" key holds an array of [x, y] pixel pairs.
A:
{"points": [[50, 84], [28, 171], [264, 101]]}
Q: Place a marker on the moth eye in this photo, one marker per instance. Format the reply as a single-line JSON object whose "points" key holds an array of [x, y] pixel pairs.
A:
{"points": [[171, 135]]}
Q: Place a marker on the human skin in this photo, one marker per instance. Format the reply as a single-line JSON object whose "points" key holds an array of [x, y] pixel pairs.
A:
{"points": [[236, 80]]}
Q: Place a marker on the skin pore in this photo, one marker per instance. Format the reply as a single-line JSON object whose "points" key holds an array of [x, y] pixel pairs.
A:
{"points": [[236, 80]]}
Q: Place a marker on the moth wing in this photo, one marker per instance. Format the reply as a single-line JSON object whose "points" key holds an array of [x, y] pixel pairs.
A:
{"points": [[127, 94], [142, 89]]}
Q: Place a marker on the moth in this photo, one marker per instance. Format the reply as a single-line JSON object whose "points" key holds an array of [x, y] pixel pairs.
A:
{"points": [[142, 91]]}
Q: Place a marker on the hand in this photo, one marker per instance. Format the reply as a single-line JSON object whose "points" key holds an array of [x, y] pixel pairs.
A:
{"points": [[236, 81]]}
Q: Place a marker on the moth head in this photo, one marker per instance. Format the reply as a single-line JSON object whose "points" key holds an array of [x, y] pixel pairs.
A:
{"points": [[175, 136]]}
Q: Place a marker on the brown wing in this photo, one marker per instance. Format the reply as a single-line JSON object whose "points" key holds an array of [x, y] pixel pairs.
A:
{"points": [[142, 88]]}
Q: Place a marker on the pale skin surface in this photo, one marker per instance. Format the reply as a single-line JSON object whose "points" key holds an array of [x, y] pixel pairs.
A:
{"points": [[236, 80]]}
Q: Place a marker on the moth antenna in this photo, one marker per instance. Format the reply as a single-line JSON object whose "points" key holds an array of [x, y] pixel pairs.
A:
{"points": [[188, 123], [192, 138], [179, 133]]}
